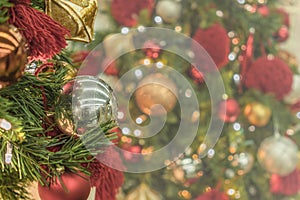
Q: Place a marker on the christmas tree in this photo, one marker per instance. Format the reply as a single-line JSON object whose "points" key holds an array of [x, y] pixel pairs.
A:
{"points": [[208, 102]]}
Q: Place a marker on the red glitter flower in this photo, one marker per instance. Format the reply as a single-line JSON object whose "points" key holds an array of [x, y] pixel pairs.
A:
{"points": [[126, 12], [217, 44], [270, 76]]}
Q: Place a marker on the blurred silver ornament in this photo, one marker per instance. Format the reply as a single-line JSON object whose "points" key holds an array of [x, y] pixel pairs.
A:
{"points": [[245, 162], [169, 10], [294, 94], [278, 155]]}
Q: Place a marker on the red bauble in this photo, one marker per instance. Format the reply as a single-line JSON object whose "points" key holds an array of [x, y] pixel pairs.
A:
{"points": [[130, 151], [229, 110], [263, 10], [217, 44], [196, 75], [78, 185], [213, 195], [151, 49], [270, 76], [126, 13], [284, 15], [287, 185], [282, 34]]}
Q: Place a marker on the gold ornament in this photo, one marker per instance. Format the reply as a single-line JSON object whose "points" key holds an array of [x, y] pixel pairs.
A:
{"points": [[13, 57], [289, 58], [257, 114], [143, 192], [78, 16], [154, 92]]}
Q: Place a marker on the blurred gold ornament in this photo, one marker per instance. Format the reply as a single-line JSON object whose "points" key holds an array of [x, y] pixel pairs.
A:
{"points": [[13, 57], [179, 174], [71, 73], [64, 123], [156, 94], [143, 192], [289, 58], [78, 16], [257, 114]]}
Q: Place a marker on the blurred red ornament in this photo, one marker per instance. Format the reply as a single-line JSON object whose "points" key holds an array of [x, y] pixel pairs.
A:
{"points": [[270, 76], [196, 75], [229, 110], [110, 67], [263, 10], [126, 14], [130, 151], [151, 49], [118, 133], [213, 195], [78, 187], [282, 34], [217, 44], [287, 185]]}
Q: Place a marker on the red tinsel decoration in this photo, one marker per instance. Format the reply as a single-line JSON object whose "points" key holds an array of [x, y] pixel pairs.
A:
{"points": [[107, 180], [44, 36], [213, 195], [287, 185], [126, 13], [270, 76], [216, 42]]}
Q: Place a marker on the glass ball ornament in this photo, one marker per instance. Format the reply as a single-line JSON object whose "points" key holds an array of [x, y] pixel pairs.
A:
{"points": [[85, 103], [278, 155], [244, 162], [257, 114], [169, 10], [156, 94]]}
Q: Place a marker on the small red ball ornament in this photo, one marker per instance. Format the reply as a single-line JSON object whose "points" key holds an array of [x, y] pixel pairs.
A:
{"points": [[229, 110], [78, 187]]}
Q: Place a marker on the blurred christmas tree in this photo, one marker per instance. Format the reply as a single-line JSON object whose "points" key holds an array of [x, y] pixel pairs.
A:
{"points": [[246, 90], [256, 156]]}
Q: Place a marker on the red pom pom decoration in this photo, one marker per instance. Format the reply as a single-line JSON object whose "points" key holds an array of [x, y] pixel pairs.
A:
{"points": [[107, 180], [270, 76], [213, 195], [229, 110], [216, 42], [78, 187], [287, 185], [126, 13]]}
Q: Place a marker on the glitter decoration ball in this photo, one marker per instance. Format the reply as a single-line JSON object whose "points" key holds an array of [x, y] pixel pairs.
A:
{"points": [[278, 155], [229, 110], [126, 14], [215, 41], [13, 57], [169, 10], [78, 187], [156, 94], [270, 75], [257, 114]]}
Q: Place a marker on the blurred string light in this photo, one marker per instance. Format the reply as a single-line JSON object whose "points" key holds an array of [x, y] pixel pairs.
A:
{"points": [[4, 124]]}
